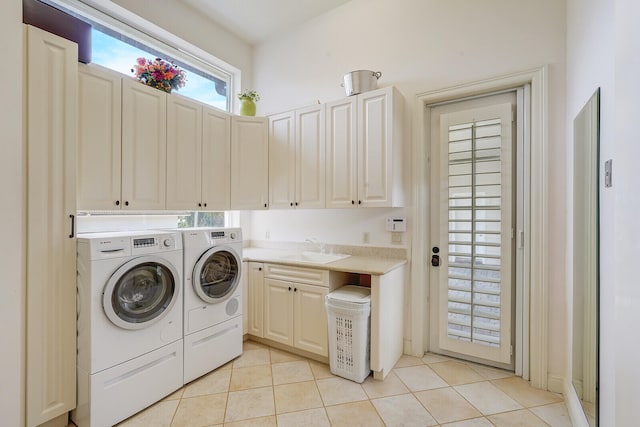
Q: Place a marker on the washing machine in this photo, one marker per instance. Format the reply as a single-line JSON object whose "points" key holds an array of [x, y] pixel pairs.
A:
{"points": [[212, 299], [130, 350]]}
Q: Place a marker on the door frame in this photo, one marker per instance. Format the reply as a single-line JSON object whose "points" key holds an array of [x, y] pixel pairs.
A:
{"points": [[535, 241]]}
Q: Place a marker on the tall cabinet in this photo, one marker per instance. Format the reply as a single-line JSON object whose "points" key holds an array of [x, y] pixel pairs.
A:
{"points": [[51, 117], [249, 163]]}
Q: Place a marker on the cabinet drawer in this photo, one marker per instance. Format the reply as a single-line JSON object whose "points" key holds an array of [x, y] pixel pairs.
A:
{"points": [[290, 273]]}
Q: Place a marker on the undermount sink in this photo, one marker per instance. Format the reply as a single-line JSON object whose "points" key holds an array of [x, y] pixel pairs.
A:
{"points": [[314, 257]]}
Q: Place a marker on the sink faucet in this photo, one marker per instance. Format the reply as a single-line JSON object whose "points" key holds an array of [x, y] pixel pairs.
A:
{"points": [[317, 242]]}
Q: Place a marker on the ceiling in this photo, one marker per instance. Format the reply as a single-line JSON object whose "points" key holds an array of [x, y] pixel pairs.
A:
{"points": [[256, 20]]}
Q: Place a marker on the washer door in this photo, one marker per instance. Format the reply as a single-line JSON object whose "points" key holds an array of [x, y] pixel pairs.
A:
{"points": [[216, 275], [141, 292]]}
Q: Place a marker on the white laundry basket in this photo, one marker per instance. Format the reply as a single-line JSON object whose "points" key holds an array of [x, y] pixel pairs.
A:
{"points": [[348, 313]]}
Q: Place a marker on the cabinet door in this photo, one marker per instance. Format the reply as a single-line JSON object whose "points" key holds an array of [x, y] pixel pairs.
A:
{"points": [[310, 157], [341, 151], [184, 153], [282, 160], [144, 146], [99, 136], [51, 120], [255, 299], [310, 319], [216, 159], [249, 162], [278, 311], [375, 139]]}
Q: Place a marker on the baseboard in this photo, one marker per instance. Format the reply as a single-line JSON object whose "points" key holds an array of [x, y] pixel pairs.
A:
{"points": [[555, 384], [578, 418]]}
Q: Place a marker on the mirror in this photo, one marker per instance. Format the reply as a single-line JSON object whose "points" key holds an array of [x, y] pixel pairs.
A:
{"points": [[586, 136]]}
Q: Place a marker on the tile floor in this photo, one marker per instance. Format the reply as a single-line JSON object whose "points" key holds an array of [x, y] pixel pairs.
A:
{"points": [[269, 387]]}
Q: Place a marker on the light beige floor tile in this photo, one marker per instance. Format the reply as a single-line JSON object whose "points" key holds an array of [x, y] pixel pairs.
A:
{"points": [[338, 390], [253, 403], [487, 398], [160, 414], [434, 358], [475, 422], [255, 357], [291, 372], [522, 392], [309, 418], [406, 361], [390, 386], [250, 377], [296, 397], [200, 411], [320, 370], [226, 366], [555, 414], [521, 418], [175, 395], [252, 345], [279, 356], [419, 378], [356, 414], [212, 383], [490, 373], [269, 421], [456, 373], [446, 405], [403, 410]]}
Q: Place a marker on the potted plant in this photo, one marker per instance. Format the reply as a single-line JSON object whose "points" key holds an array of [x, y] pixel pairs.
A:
{"points": [[248, 99], [159, 74]]}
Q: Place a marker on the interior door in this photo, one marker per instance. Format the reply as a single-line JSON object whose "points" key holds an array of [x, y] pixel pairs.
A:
{"points": [[471, 269]]}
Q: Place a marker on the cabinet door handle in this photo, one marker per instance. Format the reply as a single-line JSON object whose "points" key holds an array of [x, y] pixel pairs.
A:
{"points": [[199, 205], [126, 203], [289, 288], [205, 205], [291, 203], [359, 202], [295, 289], [259, 268], [73, 226], [117, 202]]}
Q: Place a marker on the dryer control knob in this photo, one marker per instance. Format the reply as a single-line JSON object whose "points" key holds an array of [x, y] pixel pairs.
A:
{"points": [[167, 243], [233, 236]]}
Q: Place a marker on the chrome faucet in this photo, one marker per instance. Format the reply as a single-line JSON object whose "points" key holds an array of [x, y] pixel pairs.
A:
{"points": [[320, 244]]}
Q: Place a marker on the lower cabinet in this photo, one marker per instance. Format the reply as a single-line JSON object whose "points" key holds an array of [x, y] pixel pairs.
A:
{"points": [[255, 300], [293, 303]]}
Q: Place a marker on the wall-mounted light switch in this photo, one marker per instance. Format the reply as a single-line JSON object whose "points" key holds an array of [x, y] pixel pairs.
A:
{"points": [[608, 166]]}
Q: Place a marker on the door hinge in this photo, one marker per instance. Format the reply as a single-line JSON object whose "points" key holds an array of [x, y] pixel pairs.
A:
{"points": [[511, 350]]}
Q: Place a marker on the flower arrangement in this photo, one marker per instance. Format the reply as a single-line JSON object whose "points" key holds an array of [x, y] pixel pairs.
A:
{"points": [[159, 74], [251, 95]]}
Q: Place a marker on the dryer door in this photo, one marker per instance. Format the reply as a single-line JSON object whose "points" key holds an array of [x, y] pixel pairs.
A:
{"points": [[141, 292], [216, 275]]}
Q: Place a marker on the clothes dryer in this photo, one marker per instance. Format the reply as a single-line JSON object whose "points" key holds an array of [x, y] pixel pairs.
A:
{"points": [[212, 299], [130, 351]]}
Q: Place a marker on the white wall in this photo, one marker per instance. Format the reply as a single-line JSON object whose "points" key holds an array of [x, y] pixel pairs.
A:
{"points": [[590, 64], [422, 45], [12, 279]]}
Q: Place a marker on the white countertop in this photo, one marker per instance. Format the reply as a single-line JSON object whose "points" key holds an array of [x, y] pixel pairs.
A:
{"points": [[352, 264]]}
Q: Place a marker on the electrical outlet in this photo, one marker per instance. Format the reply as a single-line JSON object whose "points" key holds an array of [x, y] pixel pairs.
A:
{"points": [[396, 238], [267, 235], [365, 237]]}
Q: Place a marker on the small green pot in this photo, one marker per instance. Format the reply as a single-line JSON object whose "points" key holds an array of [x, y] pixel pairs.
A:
{"points": [[247, 107]]}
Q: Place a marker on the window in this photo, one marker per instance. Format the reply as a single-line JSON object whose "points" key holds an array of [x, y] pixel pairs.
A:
{"points": [[202, 219], [119, 53], [119, 40]]}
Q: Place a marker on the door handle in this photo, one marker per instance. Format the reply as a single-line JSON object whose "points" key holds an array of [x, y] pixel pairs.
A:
{"points": [[73, 226], [435, 258]]}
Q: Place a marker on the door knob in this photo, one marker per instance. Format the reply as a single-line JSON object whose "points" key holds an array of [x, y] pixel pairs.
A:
{"points": [[435, 258]]}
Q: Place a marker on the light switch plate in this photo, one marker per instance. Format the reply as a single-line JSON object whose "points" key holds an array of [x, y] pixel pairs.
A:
{"points": [[608, 169]]}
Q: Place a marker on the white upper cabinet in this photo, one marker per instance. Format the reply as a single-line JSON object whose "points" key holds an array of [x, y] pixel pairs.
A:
{"points": [[249, 163], [216, 159], [184, 153], [364, 140], [198, 157], [99, 138], [144, 146], [282, 160], [297, 158]]}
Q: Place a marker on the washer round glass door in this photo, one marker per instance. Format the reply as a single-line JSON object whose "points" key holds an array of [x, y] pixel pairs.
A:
{"points": [[216, 274], [140, 292]]}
